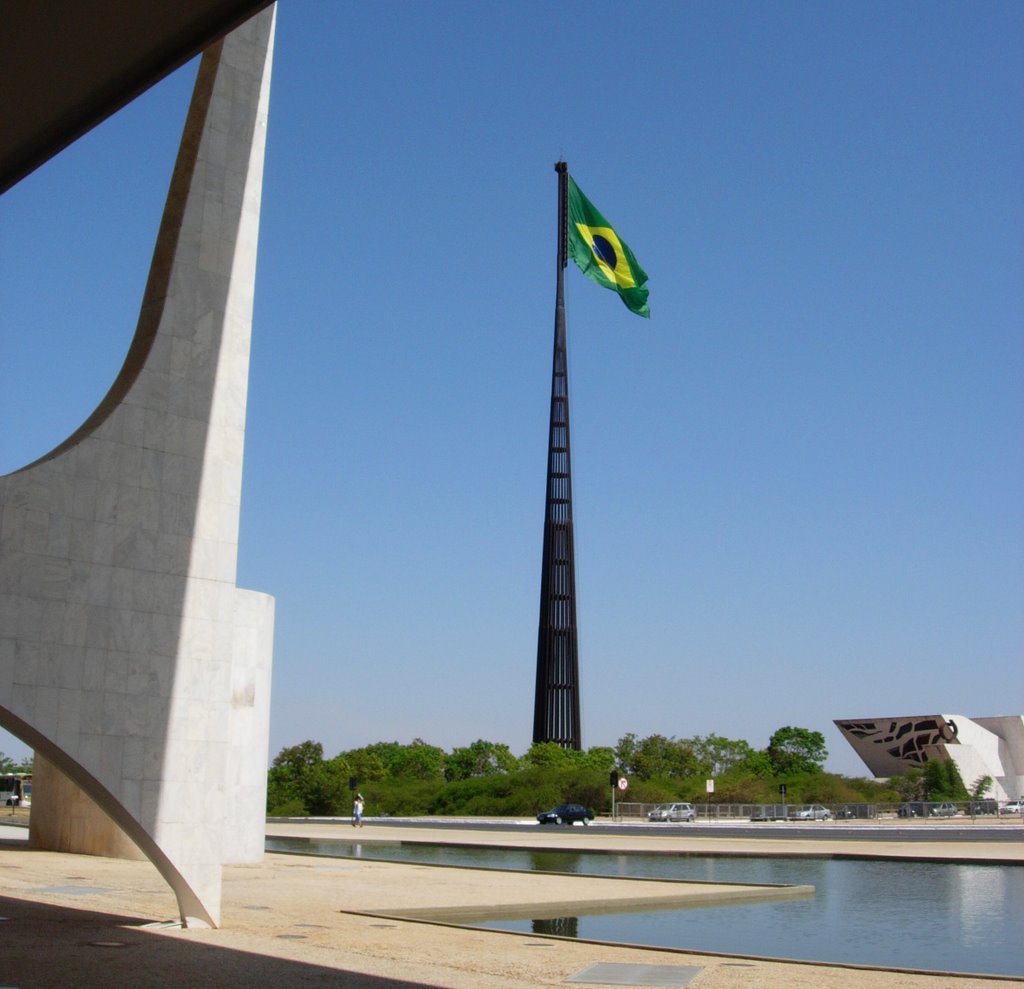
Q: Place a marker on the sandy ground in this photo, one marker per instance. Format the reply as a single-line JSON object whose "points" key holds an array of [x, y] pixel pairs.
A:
{"points": [[83, 921]]}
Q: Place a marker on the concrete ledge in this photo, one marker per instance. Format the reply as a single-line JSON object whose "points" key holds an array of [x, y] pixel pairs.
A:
{"points": [[583, 897]]}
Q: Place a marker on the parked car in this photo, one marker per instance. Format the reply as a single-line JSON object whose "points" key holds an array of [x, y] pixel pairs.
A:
{"points": [[1013, 807], [985, 806], [862, 811], [673, 812], [925, 808], [566, 814], [814, 812]]}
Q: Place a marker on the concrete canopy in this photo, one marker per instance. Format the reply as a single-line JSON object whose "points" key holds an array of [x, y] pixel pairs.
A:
{"points": [[68, 66]]}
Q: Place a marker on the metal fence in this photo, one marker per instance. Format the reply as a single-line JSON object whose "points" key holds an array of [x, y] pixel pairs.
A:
{"points": [[935, 809]]}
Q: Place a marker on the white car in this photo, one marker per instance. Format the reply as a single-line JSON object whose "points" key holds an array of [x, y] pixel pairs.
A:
{"points": [[1013, 807], [673, 812], [815, 812]]}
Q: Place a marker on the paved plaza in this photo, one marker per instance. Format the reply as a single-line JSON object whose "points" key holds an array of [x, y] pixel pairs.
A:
{"points": [[87, 921]]}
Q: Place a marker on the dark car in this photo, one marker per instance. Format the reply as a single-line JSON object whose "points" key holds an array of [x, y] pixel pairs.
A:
{"points": [[925, 808], [566, 814]]}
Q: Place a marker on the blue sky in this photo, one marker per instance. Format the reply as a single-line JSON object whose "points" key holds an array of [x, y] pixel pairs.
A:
{"points": [[798, 487]]}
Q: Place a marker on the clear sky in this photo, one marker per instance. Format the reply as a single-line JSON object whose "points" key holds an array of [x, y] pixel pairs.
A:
{"points": [[798, 487]]}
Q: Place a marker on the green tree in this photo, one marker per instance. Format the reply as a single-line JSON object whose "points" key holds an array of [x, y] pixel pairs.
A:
{"points": [[415, 761], [757, 765], [421, 761], [955, 787], [718, 756], [549, 755], [942, 781], [657, 757], [300, 781], [327, 791], [481, 758], [600, 758], [794, 751], [367, 763], [935, 781], [625, 752], [9, 765], [298, 758], [667, 757], [911, 785], [980, 787]]}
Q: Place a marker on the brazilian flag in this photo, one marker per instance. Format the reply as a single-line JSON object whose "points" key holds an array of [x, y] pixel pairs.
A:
{"points": [[601, 255]]}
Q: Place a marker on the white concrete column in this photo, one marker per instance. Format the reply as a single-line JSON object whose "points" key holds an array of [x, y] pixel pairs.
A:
{"points": [[129, 658]]}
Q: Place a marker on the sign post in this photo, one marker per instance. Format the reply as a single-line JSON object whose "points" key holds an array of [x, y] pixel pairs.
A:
{"points": [[621, 784], [710, 788], [782, 793]]}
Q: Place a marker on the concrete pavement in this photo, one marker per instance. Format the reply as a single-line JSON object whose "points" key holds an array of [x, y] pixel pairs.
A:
{"points": [[303, 921]]}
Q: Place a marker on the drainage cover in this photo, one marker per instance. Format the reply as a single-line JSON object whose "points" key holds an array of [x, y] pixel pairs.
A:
{"points": [[619, 974]]}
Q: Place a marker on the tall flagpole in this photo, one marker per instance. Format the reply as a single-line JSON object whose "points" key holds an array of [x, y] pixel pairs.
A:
{"points": [[556, 712]]}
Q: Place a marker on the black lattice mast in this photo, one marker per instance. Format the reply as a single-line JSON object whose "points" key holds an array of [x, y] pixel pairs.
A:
{"points": [[556, 711]]}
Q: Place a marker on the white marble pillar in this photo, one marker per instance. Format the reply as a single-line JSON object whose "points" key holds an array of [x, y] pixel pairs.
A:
{"points": [[129, 658]]}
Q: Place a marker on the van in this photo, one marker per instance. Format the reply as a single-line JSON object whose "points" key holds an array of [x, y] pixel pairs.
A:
{"points": [[16, 790]]}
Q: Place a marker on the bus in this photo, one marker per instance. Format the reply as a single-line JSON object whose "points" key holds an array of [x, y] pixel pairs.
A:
{"points": [[16, 790]]}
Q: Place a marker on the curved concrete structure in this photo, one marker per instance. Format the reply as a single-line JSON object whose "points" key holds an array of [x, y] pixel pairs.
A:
{"points": [[980, 747], [129, 658]]}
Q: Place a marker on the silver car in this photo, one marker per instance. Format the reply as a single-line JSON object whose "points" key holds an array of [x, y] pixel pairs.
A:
{"points": [[814, 812], [673, 812]]}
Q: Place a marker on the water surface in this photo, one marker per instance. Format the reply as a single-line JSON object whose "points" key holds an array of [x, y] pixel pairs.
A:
{"points": [[926, 915]]}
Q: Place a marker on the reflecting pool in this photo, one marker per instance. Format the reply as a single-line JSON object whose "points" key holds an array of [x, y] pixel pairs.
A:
{"points": [[927, 915]]}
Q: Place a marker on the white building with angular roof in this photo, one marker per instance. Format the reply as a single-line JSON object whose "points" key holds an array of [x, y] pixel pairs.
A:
{"points": [[993, 747]]}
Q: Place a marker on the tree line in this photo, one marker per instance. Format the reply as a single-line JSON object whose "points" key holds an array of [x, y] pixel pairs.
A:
{"points": [[486, 778], [9, 765]]}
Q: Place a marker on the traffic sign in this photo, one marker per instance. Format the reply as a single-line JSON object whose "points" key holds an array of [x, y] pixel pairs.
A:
{"points": [[623, 783]]}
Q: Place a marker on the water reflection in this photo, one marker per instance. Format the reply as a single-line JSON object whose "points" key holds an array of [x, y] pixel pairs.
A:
{"points": [[946, 917], [976, 890], [559, 926], [541, 861]]}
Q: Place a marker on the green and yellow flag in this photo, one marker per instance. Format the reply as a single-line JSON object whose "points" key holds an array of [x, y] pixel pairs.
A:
{"points": [[601, 255]]}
